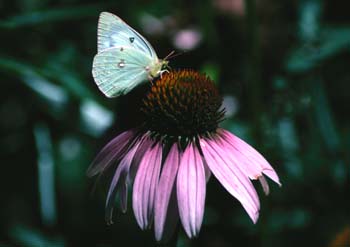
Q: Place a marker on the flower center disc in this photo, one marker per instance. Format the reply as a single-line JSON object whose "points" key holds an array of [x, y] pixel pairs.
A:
{"points": [[182, 104]]}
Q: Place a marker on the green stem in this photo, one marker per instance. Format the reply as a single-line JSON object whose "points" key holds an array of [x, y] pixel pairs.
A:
{"points": [[253, 72]]}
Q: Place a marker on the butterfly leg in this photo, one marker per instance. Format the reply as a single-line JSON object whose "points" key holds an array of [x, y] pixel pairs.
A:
{"points": [[162, 71], [150, 79]]}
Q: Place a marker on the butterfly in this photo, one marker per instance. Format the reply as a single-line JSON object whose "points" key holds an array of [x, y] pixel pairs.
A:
{"points": [[124, 58]]}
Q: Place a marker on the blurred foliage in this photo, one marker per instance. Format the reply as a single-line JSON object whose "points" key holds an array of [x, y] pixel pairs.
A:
{"points": [[284, 64]]}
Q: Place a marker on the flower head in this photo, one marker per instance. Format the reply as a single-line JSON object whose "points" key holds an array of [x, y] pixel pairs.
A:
{"points": [[169, 159]]}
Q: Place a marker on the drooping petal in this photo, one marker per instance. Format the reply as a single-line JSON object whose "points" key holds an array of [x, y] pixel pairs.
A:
{"points": [[145, 144], [124, 197], [165, 190], [145, 185], [191, 189], [206, 170], [119, 183], [264, 185], [233, 180], [252, 158], [238, 167], [171, 219], [112, 151]]}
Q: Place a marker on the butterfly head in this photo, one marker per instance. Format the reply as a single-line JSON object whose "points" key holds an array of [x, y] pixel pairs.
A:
{"points": [[158, 68]]}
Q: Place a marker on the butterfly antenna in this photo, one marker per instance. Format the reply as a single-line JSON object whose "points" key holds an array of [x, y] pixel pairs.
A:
{"points": [[172, 55], [169, 55]]}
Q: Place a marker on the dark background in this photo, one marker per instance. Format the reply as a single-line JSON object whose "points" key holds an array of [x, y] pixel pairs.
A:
{"points": [[283, 68]]}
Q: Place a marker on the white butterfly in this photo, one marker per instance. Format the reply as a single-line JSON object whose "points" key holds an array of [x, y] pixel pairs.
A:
{"points": [[124, 58]]}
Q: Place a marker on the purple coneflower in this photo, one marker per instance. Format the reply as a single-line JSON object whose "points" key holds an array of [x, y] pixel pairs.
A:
{"points": [[169, 159]]}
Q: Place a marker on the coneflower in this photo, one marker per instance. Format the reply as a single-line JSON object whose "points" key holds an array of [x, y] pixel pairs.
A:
{"points": [[169, 159]]}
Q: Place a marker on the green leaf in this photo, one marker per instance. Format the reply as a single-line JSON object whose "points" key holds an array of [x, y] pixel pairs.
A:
{"points": [[51, 15], [308, 56]]}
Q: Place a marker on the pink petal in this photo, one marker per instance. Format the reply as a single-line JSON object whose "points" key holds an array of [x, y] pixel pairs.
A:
{"points": [[124, 196], [145, 185], [191, 188], [240, 168], [112, 151], [254, 161], [207, 171], [264, 185], [171, 218], [233, 180], [119, 179], [145, 144], [164, 191]]}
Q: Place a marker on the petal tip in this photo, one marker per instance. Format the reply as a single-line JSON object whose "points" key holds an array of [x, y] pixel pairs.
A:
{"points": [[255, 217]]}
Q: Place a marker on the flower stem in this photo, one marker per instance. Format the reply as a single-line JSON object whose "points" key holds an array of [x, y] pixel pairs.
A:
{"points": [[253, 69]]}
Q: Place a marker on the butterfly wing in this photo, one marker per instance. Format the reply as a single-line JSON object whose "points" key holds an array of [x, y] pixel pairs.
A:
{"points": [[118, 70], [114, 32]]}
